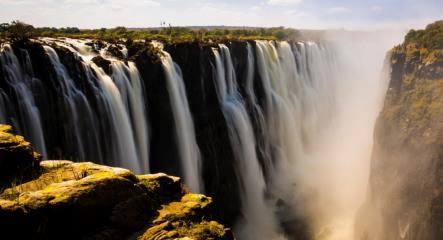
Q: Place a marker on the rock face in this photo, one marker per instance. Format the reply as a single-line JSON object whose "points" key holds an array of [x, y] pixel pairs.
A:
{"points": [[89, 201], [405, 196], [17, 158]]}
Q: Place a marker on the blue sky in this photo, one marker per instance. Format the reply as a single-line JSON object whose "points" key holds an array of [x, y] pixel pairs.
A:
{"points": [[314, 14]]}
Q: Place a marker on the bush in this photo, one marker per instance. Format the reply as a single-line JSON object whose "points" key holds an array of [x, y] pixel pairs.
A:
{"points": [[431, 37], [17, 31]]}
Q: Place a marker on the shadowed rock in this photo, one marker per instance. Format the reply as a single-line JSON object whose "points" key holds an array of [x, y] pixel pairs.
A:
{"points": [[17, 157], [89, 201]]}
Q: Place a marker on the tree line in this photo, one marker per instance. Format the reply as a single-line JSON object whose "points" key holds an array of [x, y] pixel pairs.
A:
{"points": [[16, 31], [431, 37]]}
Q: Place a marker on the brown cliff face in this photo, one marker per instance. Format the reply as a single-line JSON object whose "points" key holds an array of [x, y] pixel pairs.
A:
{"points": [[405, 195]]}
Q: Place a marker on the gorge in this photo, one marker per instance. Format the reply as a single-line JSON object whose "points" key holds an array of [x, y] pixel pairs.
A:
{"points": [[278, 133]]}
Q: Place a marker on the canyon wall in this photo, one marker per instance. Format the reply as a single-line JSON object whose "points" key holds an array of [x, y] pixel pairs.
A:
{"points": [[405, 197]]}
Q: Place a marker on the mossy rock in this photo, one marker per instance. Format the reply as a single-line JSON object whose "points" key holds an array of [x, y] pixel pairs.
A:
{"points": [[187, 219], [91, 201], [205, 230], [68, 200], [18, 161]]}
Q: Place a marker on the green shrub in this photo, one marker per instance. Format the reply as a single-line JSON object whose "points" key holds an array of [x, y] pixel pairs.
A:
{"points": [[431, 37], [17, 31]]}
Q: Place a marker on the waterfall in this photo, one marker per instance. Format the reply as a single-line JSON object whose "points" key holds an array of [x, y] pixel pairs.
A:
{"points": [[184, 126], [292, 119], [121, 130], [128, 80], [123, 109], [79, 113], [26, 118], [299, 87], [259, 221]]}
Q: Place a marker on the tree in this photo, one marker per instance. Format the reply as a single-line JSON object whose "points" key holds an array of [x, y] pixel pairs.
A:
{"points": [[17, 31]]}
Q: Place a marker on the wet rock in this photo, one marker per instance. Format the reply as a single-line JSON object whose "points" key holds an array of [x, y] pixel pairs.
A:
{"points": [[103, 63]]}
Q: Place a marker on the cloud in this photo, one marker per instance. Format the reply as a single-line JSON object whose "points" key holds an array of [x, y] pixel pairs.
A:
{"points": [[256, 8], [290, 12], [84, 2], [284, 2], [16, 2], [220, 11], [297, 14], [376, 8], [337, 10]]}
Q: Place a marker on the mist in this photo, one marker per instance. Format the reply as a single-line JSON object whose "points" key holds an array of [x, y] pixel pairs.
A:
{"points": [[332, 176]]}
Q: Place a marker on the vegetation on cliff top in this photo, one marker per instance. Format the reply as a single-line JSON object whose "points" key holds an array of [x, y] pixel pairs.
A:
{"points": [[19, 31], [431, 37], [423, 47]]}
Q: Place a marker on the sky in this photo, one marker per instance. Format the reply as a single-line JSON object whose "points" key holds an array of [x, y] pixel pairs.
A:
{"points": [[302, 14]]}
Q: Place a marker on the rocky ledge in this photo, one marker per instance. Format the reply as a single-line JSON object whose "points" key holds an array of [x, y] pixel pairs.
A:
{"points": [[67, 200]]}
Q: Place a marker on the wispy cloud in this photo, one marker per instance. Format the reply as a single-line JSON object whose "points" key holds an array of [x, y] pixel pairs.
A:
{"points": [[256, 8], [297, 14], [376, 8], [283, 2], [339, 10], [292, 13]]}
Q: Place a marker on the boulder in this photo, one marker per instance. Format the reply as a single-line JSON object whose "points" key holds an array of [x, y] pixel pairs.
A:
{"points": [[17, 157], [83, 200], [103, 63], [89, 201], [186, 220]]}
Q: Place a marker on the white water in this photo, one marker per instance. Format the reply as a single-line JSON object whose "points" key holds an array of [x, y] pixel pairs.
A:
{"points": [[127, 78], [258, 220], [22, 85], [321, 110], [123, 105], [317, 121], [184, 125], [78, 110], [299, 89]]}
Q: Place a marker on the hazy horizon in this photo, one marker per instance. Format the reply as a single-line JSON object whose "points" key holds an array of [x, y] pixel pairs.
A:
{"points": [[300, 14]]}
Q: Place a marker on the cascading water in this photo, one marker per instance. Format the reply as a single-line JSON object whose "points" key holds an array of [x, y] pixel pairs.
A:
{"points": [[299, 87], [123, 109], [128, 80], [290, 123], [79, 112], [26, 119], [259, 221], [184, 126]]}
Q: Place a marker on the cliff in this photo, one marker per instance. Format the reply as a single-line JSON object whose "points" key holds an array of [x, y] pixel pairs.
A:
{"points": [[405, 195], [67, 200], [81, 118]]}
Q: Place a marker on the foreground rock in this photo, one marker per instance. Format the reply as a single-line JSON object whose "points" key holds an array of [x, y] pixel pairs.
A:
{"points": [[68, 200], [17, 158]]}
